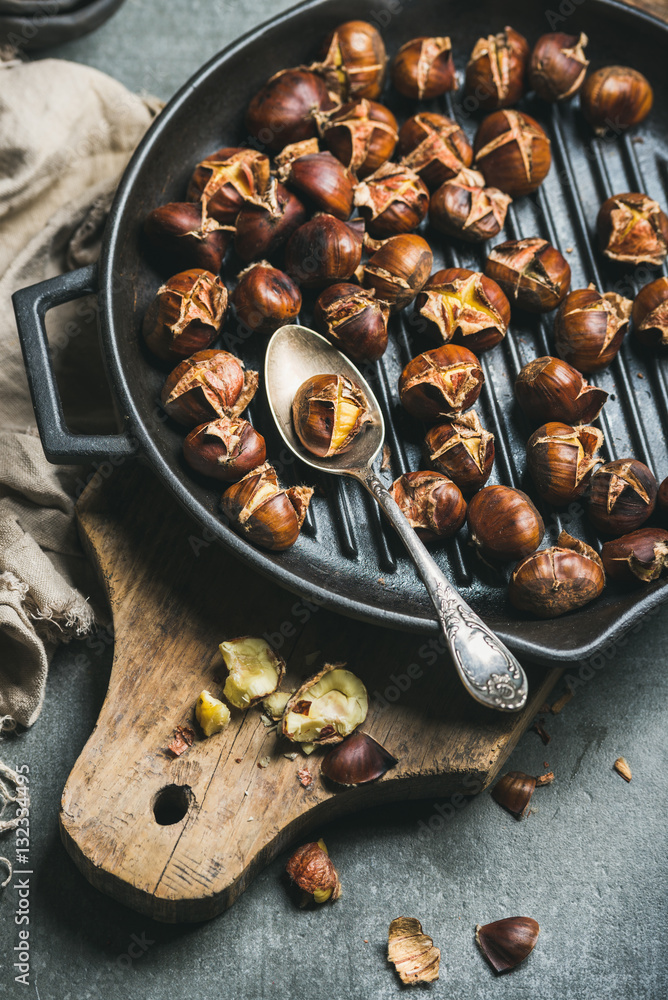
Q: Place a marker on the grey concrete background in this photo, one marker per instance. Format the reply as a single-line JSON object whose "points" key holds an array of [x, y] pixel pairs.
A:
{"points": [[589, 863]]}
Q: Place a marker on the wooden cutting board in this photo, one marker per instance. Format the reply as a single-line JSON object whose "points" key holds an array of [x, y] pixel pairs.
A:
{"points": [[220, 816]]}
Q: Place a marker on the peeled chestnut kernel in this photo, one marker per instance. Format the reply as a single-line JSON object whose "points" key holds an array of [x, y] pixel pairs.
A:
{"points": [[264, 513], [551, 389], [432, 503], [354, 320], [186, 315], [615, 97], [283, 110], [227, 179], [266, 298], [463, 450], [326, 708], [632, 229], [505, 943], [184, 231], [622, 495], [434, 146], [558, 65], [464, 306], [650, 314], [353, 57], [398, 270], [323, 250], [504, 523], [513, 152], [411, 952], [496, 71], [318, 177], [311, 869], [328, 412], [264, 226], [357, 761], [227, 449], [465, 208], [212, 714], [255, 670], [641, 555], [553, 581], [207, 385], [423, 68], [589, 328], [361, 134], [392, 200], [441, 383], [531, 272], [561, 459]]}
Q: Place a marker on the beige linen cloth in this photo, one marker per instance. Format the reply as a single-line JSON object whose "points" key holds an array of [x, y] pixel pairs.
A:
{"points": [[66, 134]]}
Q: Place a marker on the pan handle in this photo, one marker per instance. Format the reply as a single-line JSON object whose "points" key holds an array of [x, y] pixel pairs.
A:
{"points": [[31, 304]]}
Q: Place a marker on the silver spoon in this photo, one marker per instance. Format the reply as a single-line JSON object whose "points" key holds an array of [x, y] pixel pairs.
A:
{"points": [[488, 671]]}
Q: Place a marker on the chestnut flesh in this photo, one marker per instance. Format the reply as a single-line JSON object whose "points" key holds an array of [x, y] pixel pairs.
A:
{"points": [[632, 229], [464, 306], [328, 412]]}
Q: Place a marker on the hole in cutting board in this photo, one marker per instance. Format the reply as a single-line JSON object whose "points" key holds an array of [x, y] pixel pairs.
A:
{"points": [[171, 804]]}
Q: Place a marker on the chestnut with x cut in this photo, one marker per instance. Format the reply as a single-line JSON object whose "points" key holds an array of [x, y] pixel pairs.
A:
{"points": [[328, 412], [561, 459], [533, 274], [361, 134], [434, 146], [464, 306], [441, 382], [589, 328], [513, 152], [622, 495], [463, 450], [496, 71], [633, 229], [464, 207]]}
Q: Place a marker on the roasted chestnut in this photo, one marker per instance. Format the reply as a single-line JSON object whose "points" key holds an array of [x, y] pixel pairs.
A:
{"points": [[392, 200], [266, 298], [549, 389], [361, 134], [186, 315], [326, 708], [615, 98], [323, 250], [434, 146], [622, 495], [398, 269], [354, 54], [432, 503], [283, 110], [504, 523], [496, 71], [464, 207], [227, 448], [423, 68], [650, 314], [553, 581], [441, 383], [531, 272], [184, 232], [207, 385], [641, 555], [589, 328], [319, 178], [224, 181], [513, 152], [264, 513], [632, 229], [561, 459], [462, 450], [264, 226], [356, 761], [558, 65], [464, 306], [328, 412], [354, 320]]}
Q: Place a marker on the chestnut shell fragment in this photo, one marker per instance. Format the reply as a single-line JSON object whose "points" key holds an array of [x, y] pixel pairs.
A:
{"points": [[505, 943], [358, 760]]}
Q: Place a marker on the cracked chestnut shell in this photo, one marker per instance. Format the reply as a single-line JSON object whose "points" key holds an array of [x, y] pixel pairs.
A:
{"points": [[589, 328], [622, 495], [504, 524], [227, 179], [208, 385], [432, 503], [317, 177], [615, 98], [361, 134], [441, 383], [513, 152], [354, 57], [554, 581], [398, 269], [650, 314], [496, 71], [185, 233], [186, 314], [266, 298], [357, 761], [558, 65], [561, 459], [392, 200], [264, 226], [514, 792], [465, 307], [462, 450], [354, 320], [328, 412], [434, 146], [264, 513], [639, 556], [465, 208], [312, 870], [227, 449], [424, 68], [283, 110], [632, 229], [549, 389], [505, 943], [532, 273], [323, 250]]}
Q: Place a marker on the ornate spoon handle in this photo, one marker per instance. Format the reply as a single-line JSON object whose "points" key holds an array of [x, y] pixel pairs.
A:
{"points": [[488, 671]]}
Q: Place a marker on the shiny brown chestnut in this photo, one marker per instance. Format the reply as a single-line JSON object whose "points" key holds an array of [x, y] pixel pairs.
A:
{"points": [[354, 320], [323, 250], [503, 523], [317, 177], [465, 208], [265, 225], [558, 65], [633, 229], [650, 314], [513, 152], [554, 581], [357, 761], [514, 792], [434, 146], [207, 385], [441, 383], [462, 450], [549, 389], [432, 503], [615, 97], [184, 232], [227, 449], [266, 298], [496, 71], [424, 68], [186, 315], [532, 273], [622, 495], [264, 513], [561, 459], [283, 110], [355, 58], [328, 412], [465, 307], [398, 269], [361, 134], [505, 943], [639, 556], [589, 328], [392, 200], [227, 179]]}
